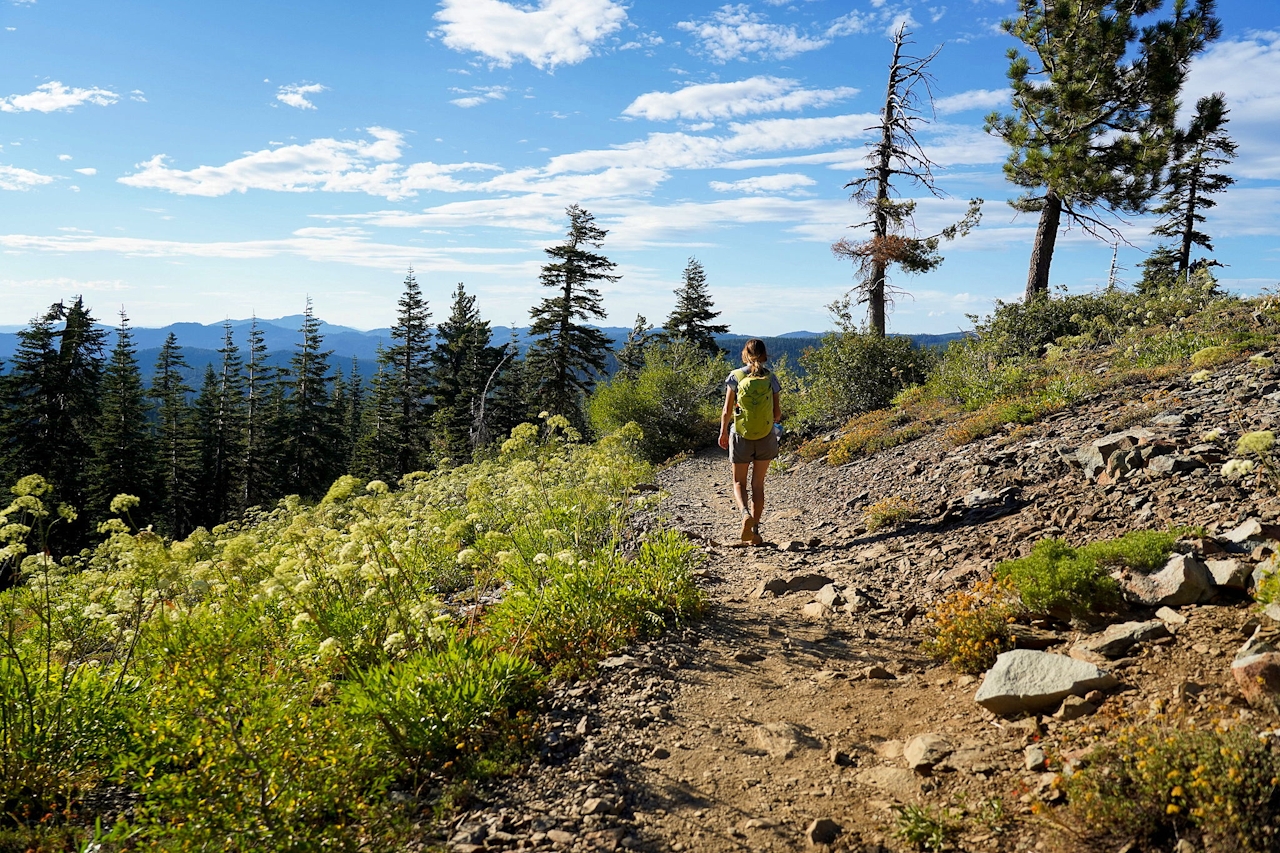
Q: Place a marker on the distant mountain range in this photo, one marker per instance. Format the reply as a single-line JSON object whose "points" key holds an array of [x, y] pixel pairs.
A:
{"points": [[200, 342]]}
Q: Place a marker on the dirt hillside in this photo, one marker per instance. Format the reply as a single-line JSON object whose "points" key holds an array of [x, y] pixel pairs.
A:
{"points": [[779, 723]]}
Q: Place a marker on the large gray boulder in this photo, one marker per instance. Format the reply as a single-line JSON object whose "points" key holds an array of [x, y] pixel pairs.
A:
{"points": [[1093, 457], [1183, 580], [1026, 680]]}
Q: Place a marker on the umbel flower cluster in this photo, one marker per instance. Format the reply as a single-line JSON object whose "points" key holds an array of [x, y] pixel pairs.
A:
{"points": [[381, 637]]}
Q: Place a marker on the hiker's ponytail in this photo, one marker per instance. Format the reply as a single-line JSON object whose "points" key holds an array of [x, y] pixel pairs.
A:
{"points": [[754, 355]]}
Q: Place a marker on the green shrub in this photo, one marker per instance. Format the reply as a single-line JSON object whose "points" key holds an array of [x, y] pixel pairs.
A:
{"points": [[465, 706], [565, 613], [1144, 550], [889, 512], [851, 372], [1157, 781], [1055, 577], [675, 399]]}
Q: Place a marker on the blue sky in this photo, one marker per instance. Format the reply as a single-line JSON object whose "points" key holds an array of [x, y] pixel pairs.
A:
{"points": [[203, 161]]}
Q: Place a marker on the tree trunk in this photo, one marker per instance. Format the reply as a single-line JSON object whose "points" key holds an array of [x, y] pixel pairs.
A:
{"points": [[1188, 230], [1042, 251], [884, 172]]}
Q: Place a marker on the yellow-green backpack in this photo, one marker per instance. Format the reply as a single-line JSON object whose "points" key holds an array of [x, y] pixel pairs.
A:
{"points": [[753, 412]]}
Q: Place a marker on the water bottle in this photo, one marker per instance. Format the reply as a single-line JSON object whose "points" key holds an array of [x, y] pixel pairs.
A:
{"points": [[777, 431]]}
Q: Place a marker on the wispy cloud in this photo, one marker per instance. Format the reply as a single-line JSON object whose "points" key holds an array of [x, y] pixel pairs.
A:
{"points": [[726, 100], [477, 95], [13, 178], [54, 96], [556, 32], [765, 184], [735, 32], [88, 170], [974, 99], [329, 165], [295, 94]]}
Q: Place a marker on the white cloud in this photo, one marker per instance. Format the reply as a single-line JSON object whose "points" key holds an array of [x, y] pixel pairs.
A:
{"points": [[851, 24], [478, 95], [53, 96], [62, 285], [328, 165], [724, 100], [295, 94], [556, 32], [733, 32], [1245, 70], [974, 99], [64, 157], [138, 95], [765, 184], [88, 170], [13, 178]]}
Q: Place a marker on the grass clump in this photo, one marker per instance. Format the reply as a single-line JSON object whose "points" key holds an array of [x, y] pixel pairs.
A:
{"points": [[1210, 356], [889, 512], [970, 628], [1159, 781], [926, 828], [1144, 550]]}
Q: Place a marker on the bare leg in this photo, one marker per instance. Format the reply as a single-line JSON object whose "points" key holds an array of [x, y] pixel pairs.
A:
{"points": [[758, 471], [740, 498]]}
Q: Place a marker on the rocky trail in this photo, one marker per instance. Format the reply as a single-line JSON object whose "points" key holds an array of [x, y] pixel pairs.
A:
{"points": [[802, 714]]}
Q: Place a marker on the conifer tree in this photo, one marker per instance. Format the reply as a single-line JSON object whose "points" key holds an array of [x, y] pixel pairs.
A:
{"points": [[1193, 178], [30, 403], [220, 420], [256, 465], [123, 453], [409, 361], [351, 413], [375, 453], [175, 440], [895, 156], [692, 316], [79, 385], [639, 339], [461, 364], [1094, 104], [567, 355], [311, 439]]}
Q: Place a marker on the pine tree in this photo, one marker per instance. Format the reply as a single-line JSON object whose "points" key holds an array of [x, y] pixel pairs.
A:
{"points": [[175, 441], [409, 361], [566, 355], [30, 403], [639, 339], [461, 363], [1198, 154], [1093, 111], [220, 420], [351, 413], [692, 316], [123, 453], [375, 453], [312, 442], [257, 486], [894, 157]]}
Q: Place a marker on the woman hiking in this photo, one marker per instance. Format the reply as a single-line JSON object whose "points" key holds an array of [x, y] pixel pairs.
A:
{"points": [[752, 406]]}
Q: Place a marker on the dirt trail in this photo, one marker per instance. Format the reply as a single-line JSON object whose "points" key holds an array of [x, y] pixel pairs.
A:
{"points": [[776, 721], [739, 732]]}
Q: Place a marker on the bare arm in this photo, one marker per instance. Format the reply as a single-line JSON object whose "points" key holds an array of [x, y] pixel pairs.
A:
{"points": [[777, 408], [726, 417]]}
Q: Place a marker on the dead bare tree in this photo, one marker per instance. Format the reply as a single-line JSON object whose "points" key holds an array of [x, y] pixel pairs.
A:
{"points": [[897, 155]]}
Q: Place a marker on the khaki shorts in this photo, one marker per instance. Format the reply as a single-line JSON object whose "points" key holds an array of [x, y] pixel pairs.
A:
{"points": [[743, 450]]}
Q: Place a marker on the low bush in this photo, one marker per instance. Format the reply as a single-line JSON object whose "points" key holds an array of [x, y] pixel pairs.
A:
{"points": [[1143, 550], [851, 372], [970, 628], [1155, 782], [1056, 578], [889, 512], [675, 399]]}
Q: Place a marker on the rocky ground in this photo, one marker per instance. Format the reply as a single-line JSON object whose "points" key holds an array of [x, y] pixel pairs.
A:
{"points": [[801, 713]]}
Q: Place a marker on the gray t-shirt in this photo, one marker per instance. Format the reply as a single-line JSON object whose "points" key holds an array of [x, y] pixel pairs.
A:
{"points": [[732, 382]]}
